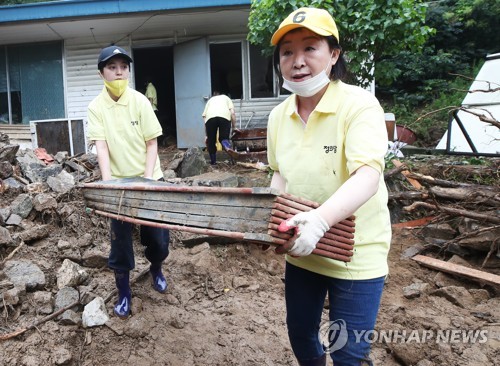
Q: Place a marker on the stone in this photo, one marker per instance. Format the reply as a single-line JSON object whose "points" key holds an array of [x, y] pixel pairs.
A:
{"points": [[22, 205], [70, 274], [8, 153], [94, 313], [5, 238], [44, 201], [62, 183], [44, 302], [25, 273]]}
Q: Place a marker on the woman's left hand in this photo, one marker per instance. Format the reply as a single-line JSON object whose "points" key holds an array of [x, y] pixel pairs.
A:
{"points": [[309, 228]]}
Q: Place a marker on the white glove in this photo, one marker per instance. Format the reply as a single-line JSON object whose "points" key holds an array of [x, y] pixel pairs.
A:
{"points": [[310, 228]]}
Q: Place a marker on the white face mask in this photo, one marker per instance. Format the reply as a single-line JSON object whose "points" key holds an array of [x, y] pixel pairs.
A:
{"points": [[309, 87]]}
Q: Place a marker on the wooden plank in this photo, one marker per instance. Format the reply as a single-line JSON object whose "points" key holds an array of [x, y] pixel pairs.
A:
{"points": [[210, 222], [223, 211], [459, 270], [415, 183]]}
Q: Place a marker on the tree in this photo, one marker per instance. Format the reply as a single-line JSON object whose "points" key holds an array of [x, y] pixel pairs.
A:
{"points": [[368, 30]]}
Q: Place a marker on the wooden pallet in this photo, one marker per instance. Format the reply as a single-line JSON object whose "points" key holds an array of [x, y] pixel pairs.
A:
{"points": [[246, 214]]}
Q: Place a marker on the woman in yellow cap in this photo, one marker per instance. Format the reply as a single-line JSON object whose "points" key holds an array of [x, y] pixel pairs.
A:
{"points": [[327, 143]]}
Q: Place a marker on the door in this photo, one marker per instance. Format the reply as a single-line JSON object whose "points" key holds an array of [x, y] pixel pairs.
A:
{"points": [[192, 89]]}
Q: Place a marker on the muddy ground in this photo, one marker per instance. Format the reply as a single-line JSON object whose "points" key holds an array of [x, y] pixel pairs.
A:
{"points": [[225, 306]]}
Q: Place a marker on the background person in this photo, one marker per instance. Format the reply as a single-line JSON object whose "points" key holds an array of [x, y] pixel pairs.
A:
{"points": [[218, 116], [124, 127], [326, 143]]}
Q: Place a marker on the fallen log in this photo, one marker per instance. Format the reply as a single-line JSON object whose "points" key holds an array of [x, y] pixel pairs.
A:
{"points": [[454, 212], [474, 194]]}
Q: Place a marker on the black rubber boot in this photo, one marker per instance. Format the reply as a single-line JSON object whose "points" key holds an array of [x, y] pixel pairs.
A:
{"points": [[320, 361], [122, 307], [213, 159], [159, 281]]}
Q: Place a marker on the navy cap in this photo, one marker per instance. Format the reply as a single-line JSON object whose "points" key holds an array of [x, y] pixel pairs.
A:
{"points": [[112, 51]]}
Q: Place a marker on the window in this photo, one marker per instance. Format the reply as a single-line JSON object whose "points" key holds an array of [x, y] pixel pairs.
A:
{"points": [[31, 83], [261, 74]]}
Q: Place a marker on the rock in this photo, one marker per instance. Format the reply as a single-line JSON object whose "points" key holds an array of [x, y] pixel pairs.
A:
{"points": [[6, 169], [439, 231], [5, 238], [70, 274], [240, 281], [44, 302], [22, 205], [94, 258], [25, 273], [61, 356], [61, 156], [4, 213], [85, 240], [70, 317], [14, 220], [412, 251], [138, 326], [456, 295], [12, 185], [94, 313], [62, 183], [169, 174], [193, 163], [10, 297], [171, 299], [8, 153], [43, 202], [65, 297], [36, 233], [34, 169], [415, 290]]}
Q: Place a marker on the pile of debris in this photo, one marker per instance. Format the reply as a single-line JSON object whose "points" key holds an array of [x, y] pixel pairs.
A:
{"points": [[448, 206]]}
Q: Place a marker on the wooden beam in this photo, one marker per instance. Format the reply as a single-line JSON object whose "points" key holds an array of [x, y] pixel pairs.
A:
{"points": [[457, 269], [415, 183]]}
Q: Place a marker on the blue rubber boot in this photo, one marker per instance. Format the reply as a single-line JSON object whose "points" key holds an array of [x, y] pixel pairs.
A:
{"points": [[159, 281], [122, 307], [213, 159], [226, 144]]}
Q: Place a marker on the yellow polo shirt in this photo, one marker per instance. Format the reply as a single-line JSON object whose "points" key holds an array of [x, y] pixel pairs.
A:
{"points": [[345, 131], [125, 125], [218, 106]]}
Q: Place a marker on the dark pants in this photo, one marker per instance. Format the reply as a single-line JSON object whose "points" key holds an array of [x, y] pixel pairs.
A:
{"points": [[121, 257], [353, 311], [211, 126]]}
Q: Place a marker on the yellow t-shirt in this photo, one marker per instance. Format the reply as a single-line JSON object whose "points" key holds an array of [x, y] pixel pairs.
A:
{"points": [[125, 125], [345, 131], [151, 94], [218, 106]]}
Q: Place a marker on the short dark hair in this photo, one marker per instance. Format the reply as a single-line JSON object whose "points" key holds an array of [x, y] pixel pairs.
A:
{"points": [[339, 70]]}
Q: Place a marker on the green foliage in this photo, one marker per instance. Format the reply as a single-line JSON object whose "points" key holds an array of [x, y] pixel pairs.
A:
{"points": [[369, 30], [413, 85]]}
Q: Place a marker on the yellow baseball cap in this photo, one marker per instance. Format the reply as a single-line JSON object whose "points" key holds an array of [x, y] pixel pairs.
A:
{"points": [[317, 20]]}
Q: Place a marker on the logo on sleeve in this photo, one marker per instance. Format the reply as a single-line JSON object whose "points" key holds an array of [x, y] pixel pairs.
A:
{"points": [[134, 123], [330, 148]]}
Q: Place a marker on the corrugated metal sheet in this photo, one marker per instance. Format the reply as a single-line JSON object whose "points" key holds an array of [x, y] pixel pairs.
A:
{"points": [[254, 113]]}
